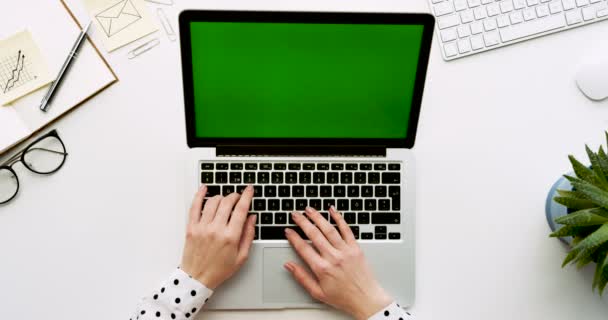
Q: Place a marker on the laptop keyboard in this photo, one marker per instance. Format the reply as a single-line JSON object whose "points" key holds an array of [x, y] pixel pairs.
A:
{"points": [[367, 193]]}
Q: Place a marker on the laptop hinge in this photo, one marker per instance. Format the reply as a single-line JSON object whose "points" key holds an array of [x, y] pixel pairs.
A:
{"points": [[300, 151]]}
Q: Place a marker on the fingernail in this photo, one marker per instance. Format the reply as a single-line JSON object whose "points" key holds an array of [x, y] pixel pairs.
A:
{"points": [[308, 209], [288, 266], [296, 214], [249, 187], [202, 187], [332, 208], [287, 230]]}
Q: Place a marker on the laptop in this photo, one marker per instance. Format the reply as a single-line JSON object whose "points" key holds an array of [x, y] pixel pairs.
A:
{"points": [[313, 109]]}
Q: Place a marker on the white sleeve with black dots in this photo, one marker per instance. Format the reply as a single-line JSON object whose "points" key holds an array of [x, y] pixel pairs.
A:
{"points": [[392, 312], [180, 297]]}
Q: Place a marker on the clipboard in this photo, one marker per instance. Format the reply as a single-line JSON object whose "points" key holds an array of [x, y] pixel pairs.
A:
{"points": [[90, 75]]}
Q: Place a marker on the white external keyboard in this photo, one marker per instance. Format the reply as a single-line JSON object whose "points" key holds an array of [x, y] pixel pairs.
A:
{"points": [[467, 27]]}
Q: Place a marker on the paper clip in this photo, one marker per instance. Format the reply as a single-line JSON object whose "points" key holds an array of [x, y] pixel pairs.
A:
{"points": [[166, 3], [162, 16], [143, 48]]}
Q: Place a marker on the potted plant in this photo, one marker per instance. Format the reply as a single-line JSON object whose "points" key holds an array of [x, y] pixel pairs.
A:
{"points": [[577, 212]]}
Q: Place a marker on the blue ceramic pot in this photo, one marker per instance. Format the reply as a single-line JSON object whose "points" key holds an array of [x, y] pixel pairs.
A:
{"points": [[555, 210]]}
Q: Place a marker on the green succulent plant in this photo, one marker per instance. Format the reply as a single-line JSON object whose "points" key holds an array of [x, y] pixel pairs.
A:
{"points": [[588, 224]]}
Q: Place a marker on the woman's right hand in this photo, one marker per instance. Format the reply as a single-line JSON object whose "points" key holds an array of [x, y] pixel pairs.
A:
{"points": [[342, 278]]}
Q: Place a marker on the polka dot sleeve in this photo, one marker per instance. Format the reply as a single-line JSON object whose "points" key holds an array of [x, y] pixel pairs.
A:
{"points": [[180, 297], [392, 312]]}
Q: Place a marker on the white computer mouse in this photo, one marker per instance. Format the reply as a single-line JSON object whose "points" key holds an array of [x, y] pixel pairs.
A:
{"points": [[592, 80]]}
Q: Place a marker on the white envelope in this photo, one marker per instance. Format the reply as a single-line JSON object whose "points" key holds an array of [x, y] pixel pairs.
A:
{"points": [[118, 17]]}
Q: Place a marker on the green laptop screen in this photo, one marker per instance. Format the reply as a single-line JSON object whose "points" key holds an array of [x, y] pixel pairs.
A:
{"points": [[299, 80]]}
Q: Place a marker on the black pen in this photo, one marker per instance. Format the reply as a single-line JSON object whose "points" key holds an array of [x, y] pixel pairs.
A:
{"points": [[66, 65]]}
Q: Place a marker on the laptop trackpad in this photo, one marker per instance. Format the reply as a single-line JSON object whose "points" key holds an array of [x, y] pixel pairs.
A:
{"points": [[279, 286]]}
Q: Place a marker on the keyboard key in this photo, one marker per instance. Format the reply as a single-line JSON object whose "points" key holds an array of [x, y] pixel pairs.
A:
{"points": [[353, 191], [373, 178], [443, 8], [381, 236], [298, 191], [236, 177], [363, 217], [207, 166], [249, 177], [323, 166], [386, 218], [309, 166], [312, 191], [529, 14], [466, 16], [236, 166], [221, 177], [367, 191], [263, 177], [291, 177], [352, 166], [343, 204], [280, 218], [328, 203], [588, 13], [332, 177], [305, 177], [257, 191], [489, 24], [477, 43], [318, 177], [384, 204], [294, 166], [339, 191], [356, 204], [394, 236], [394, 166], [460, 5], [569, 4], [555, 7], [278, 233], [251, 166], [396, 204], [474, 3], [222, 166], [350, 217], [479, 13], [325, 191], [365, 166], [506, 6], [542, 11], [213, 191], [256, 236], [370, 204], [259, 204], [240, 189], [394, 191], [367, 236], [380, 191], [346, 177], [274, 204], [266, 218], [391, 178], [337, 166], [360, 177], [491, 38], [284, 191], [355, 231], [463, 31], [315, 203], [325, 214], [277, 177], [380, 229], [379, 166], [280, 166], [265, 166], [207, 177], [270, 191], [301, 204], [287, 205]]}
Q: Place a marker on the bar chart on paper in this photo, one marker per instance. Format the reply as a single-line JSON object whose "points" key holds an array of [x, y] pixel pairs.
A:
{"points": [[22, 68]]}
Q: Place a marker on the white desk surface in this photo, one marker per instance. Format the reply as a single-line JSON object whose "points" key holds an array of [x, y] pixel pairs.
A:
{"points": [[495, 130]]}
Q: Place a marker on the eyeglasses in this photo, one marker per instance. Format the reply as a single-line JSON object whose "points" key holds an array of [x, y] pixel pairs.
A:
{"points": [[46, 155]]}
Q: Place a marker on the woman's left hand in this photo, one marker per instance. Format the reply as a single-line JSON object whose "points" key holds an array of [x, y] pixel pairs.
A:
{"points": [[218, 241]]}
